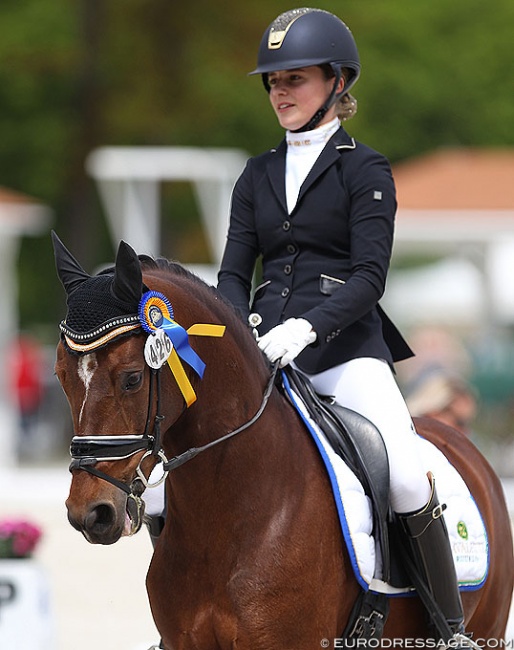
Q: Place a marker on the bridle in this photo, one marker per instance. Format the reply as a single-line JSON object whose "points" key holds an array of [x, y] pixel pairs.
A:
{"points": [[167, 344], [87, 451]]}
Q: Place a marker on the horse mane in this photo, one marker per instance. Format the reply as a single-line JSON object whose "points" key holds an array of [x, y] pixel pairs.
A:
{"points": [[165, 269], [149, 263], [176, 270], [169, 269]]}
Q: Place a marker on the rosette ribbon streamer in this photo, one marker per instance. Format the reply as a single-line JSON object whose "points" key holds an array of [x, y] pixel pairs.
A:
{"points": [[182, 350]]}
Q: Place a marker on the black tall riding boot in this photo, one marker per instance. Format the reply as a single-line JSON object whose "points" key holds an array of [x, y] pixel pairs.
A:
{"points": [[155, 524], [430, 546]]}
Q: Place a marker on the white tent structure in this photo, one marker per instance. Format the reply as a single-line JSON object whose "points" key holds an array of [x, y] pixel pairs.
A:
{"points": [[129, 179], [19, 215], [456, 204]]}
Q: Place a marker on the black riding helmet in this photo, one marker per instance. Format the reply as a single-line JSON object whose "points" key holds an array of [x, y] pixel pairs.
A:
{"points": [[303, 37]]}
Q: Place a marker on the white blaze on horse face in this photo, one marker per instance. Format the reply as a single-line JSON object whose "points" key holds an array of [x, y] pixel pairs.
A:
{"points": [[86, 368]]}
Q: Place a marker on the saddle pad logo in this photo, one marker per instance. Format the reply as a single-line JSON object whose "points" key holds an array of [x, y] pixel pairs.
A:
{"points": [[462, 530]]}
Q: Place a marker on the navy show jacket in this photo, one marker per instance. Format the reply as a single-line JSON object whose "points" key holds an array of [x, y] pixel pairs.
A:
{"points": [[326, 261]]}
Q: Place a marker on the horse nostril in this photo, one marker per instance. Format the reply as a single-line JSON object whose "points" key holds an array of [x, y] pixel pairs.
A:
{"points": [[100, 518]]}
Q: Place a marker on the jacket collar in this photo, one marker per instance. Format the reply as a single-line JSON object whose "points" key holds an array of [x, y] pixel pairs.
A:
{"points": [[337, 144]]}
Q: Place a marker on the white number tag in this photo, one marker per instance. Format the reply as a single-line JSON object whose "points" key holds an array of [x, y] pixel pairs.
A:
{"points": [[158, 348]]}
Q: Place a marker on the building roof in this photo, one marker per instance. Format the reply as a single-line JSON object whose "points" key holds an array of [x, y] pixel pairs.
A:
{"points": [[457, 179], [456, 205], [21, 214], [453, 196], [11, 196]]}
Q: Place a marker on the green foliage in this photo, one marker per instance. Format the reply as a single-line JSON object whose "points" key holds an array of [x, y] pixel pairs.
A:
{"points": [[76, 75], [434, 75], [36, 86]]}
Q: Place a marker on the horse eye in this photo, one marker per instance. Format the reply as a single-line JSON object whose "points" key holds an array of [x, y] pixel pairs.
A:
{"points": [[133, 381]]}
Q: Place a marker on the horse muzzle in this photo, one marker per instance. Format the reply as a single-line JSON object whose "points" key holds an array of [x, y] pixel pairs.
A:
{"points": [[105, 522]]}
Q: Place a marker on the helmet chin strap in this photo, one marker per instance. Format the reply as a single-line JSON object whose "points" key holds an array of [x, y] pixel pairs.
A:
{"points": [[321, 112]]}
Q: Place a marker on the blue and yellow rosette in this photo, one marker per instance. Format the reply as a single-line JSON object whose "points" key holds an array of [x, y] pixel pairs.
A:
{"points": [[156, 313]]}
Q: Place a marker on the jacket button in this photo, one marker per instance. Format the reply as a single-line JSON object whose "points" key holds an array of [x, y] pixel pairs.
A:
{"points": [[286, 225], [287, 269], [291, 248], [285, 292]]}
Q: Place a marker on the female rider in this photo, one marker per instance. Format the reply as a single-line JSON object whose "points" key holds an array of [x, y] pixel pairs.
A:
{"points": [[319, 210]]}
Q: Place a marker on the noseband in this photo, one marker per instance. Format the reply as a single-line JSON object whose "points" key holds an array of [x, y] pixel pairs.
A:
{"points": [[87, 451]]}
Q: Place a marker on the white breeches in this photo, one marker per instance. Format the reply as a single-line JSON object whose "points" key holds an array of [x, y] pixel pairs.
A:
{"points": [[368, 387], [154, 496]]}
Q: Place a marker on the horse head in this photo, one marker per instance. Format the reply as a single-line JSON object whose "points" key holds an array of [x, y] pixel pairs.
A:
{"points": [[111, 391], [122, 326]]}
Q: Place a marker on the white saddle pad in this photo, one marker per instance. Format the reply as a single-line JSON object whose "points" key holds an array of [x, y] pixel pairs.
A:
{"points": [[468, 537]]}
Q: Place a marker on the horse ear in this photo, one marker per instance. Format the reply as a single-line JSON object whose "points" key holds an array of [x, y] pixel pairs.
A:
{"points": [[70, 273], [128, 279]]}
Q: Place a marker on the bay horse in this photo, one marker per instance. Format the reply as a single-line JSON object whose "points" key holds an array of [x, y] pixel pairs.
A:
{"points": [[251, 556]]}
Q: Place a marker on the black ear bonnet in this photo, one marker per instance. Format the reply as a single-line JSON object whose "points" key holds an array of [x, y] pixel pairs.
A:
{"points": [[100, 307]]}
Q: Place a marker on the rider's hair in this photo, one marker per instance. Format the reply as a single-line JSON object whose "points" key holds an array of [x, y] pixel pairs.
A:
{"points": [[346, 107]]}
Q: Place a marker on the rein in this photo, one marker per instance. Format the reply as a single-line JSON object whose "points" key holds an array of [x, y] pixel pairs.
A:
{"points": [[186, 456], [87, 451]]}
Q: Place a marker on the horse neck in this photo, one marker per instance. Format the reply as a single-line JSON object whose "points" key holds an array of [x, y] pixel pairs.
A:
{"points": [[227, 470], [232, 388], [228, 396]]}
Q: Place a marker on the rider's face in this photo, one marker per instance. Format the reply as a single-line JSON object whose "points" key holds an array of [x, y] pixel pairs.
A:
{"points": [[296, 95]]}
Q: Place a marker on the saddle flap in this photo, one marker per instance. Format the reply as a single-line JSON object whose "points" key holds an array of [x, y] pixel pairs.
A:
{"points": [[360, 444]]}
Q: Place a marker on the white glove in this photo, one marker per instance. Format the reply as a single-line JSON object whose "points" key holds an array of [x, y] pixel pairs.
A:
{"points": [[286, 341]]}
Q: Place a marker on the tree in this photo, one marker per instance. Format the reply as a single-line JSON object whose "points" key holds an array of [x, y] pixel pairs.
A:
{"points": [[90, 73]]}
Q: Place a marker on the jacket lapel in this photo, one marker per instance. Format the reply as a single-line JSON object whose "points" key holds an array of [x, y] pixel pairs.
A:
{"points": [[277, 173], [339, 142]]}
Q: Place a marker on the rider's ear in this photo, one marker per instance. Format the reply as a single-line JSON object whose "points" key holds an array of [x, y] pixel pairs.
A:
{"points": [[70, 273], [128, 279]]}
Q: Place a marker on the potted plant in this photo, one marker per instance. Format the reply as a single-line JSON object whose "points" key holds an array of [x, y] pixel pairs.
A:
{"points": [[18, 538], [25, 611]]}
